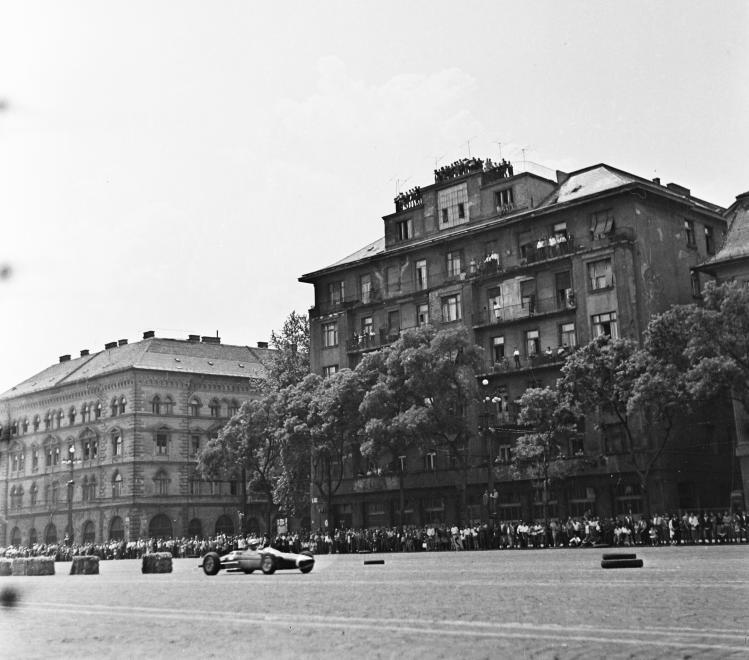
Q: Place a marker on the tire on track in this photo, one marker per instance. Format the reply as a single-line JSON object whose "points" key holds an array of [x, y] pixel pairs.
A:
{"points": [[268, 564], [619, 555], [621, 563], [211, 563]]}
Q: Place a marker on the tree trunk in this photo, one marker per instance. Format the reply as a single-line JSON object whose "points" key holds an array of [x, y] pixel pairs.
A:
{"points": [[243, 504], [402, 494]]}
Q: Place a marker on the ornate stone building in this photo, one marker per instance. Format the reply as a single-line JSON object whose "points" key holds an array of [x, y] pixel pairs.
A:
{"points": [[104, 446], [534, 265]]}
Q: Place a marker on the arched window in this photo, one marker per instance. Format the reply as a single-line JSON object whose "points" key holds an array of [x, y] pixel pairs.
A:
{"points": [[92, 488], [55, 492], [48, 421], [194, 483], [161, 442], [85, 413], [89, 533], [56, 456], [156, 405], [167, 406], [34, 493], [123, 405], [25, 426], [34, 458], [33, 536], [116, 437], [215, 408], [224, 525], [117, 485], [71, 415], [37, 422], [90, 445], [161, 483], [59, 418], [193, 408], [47, 494], [19, 497], [97, 410], [160, 527], [84, 489], [116, 529], [50, 534], [15, 536], [115, 406], [233, 407]]}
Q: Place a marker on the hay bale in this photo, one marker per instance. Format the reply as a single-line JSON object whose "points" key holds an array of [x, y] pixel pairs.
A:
{"points": [[40, 566], [6, 567], [18, 566], [157, 562], [85, 565]]}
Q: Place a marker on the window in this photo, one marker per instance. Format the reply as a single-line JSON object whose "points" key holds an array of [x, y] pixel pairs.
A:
{"points": [[35, 458], [114, 405], [453, 264], [601, 224], [162, 443], [421, 274], [34, 493], [97, 410], [25, 426], [430, 461], [694, 278], [451, 308], [526, 245], [394, 323], [495, 304], [365, 288], [48, 421], [559, 230], [193, 408], [156, 405], [565, 294], [59, 419], [567, 336], [367, 326], [335, 293], [117, 485], [85, 413], [452, 204], [709, 240], [48, 456], [71, 415], [528, 295], [123, 405], [55, 492], [422, 314], [614, 439], [404, 229], [329, 370], [599, 274], [215, 408], [605, 324], [116, 437], [689, 232], [194, 446], [161, 482], [167, 406], [393, 280], [329, 335], [498, 349], [532, 343], [233, 407], [56, 456], [504, 454], [503, 199]]}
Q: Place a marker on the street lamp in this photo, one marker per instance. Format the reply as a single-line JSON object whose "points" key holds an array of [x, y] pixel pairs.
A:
{"points": [[71, 460]]}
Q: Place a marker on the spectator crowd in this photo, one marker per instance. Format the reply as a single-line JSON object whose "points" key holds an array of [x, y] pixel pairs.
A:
{"points": [[588, 531]]}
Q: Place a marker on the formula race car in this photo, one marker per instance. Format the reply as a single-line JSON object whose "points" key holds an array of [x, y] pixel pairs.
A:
{"points": [[268, 560]]}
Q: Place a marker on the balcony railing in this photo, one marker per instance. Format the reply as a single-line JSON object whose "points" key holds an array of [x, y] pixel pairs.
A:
{"points": [[531, 307], [548, 249], [373, 295], [507, 364], [368, 341]]}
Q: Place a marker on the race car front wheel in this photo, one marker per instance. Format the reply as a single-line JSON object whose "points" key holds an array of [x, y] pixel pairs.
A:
{"points": [[268, 565], [211, 563]]}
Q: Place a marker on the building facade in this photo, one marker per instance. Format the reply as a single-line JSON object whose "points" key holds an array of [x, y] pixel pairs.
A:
{"points": [[104, 446], [534, 266]]}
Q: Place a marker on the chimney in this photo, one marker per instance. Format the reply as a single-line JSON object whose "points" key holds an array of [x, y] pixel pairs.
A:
{"points": [[64, 358], [211, 340], [657, 181], [562, 177], [84, 352], [111, 344], [679, 190], [262, 344], [122, 342], [149, 334], [193, 337]]}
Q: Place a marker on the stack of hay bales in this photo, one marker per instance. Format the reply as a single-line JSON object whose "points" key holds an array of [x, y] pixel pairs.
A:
{"points": [[85, 565], [27, 566], [157, 562]]}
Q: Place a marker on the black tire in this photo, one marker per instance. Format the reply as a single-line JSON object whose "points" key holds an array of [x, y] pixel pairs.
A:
{"points": [[307, 569], [621, 563], [247, 571], [268, 564], [619, 555], [211, 563]]}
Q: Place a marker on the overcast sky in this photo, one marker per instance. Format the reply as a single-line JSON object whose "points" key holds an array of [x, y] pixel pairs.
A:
{"points": [[176, 165]]}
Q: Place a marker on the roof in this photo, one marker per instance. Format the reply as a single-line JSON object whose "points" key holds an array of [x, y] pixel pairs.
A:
{"points": [[591, 181], [736, 245], [155, 354], [369, 250]]}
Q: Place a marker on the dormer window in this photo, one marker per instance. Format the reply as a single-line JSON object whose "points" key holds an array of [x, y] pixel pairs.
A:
{"points": [[404, 229]]}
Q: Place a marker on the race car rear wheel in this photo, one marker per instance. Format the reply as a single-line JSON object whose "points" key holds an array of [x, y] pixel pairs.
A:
{"points": [[308, 568], [249, 570], [268, 564], [211, 563]]}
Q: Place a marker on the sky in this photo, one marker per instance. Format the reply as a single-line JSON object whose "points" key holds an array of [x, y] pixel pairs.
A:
{"points": [[176, 166]]}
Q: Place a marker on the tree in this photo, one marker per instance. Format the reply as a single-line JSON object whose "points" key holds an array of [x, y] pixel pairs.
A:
{"points": [[642, 389], [424, 390], [248, 448], [542, 453], [289, 363]]}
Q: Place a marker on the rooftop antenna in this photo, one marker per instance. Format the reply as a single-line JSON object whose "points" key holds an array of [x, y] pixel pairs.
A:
{"points": [[399, 183], [499, 145], [437, 160], [468, 143]]}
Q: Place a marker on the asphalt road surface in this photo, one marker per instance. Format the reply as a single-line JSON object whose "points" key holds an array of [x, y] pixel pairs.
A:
{"points": [[687, 602]]}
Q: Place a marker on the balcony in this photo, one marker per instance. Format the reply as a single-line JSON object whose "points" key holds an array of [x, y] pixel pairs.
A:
{"points": [[532, 307], [552, 248], [408, 200], [525, 362], [370, 341], [340, 304]]}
